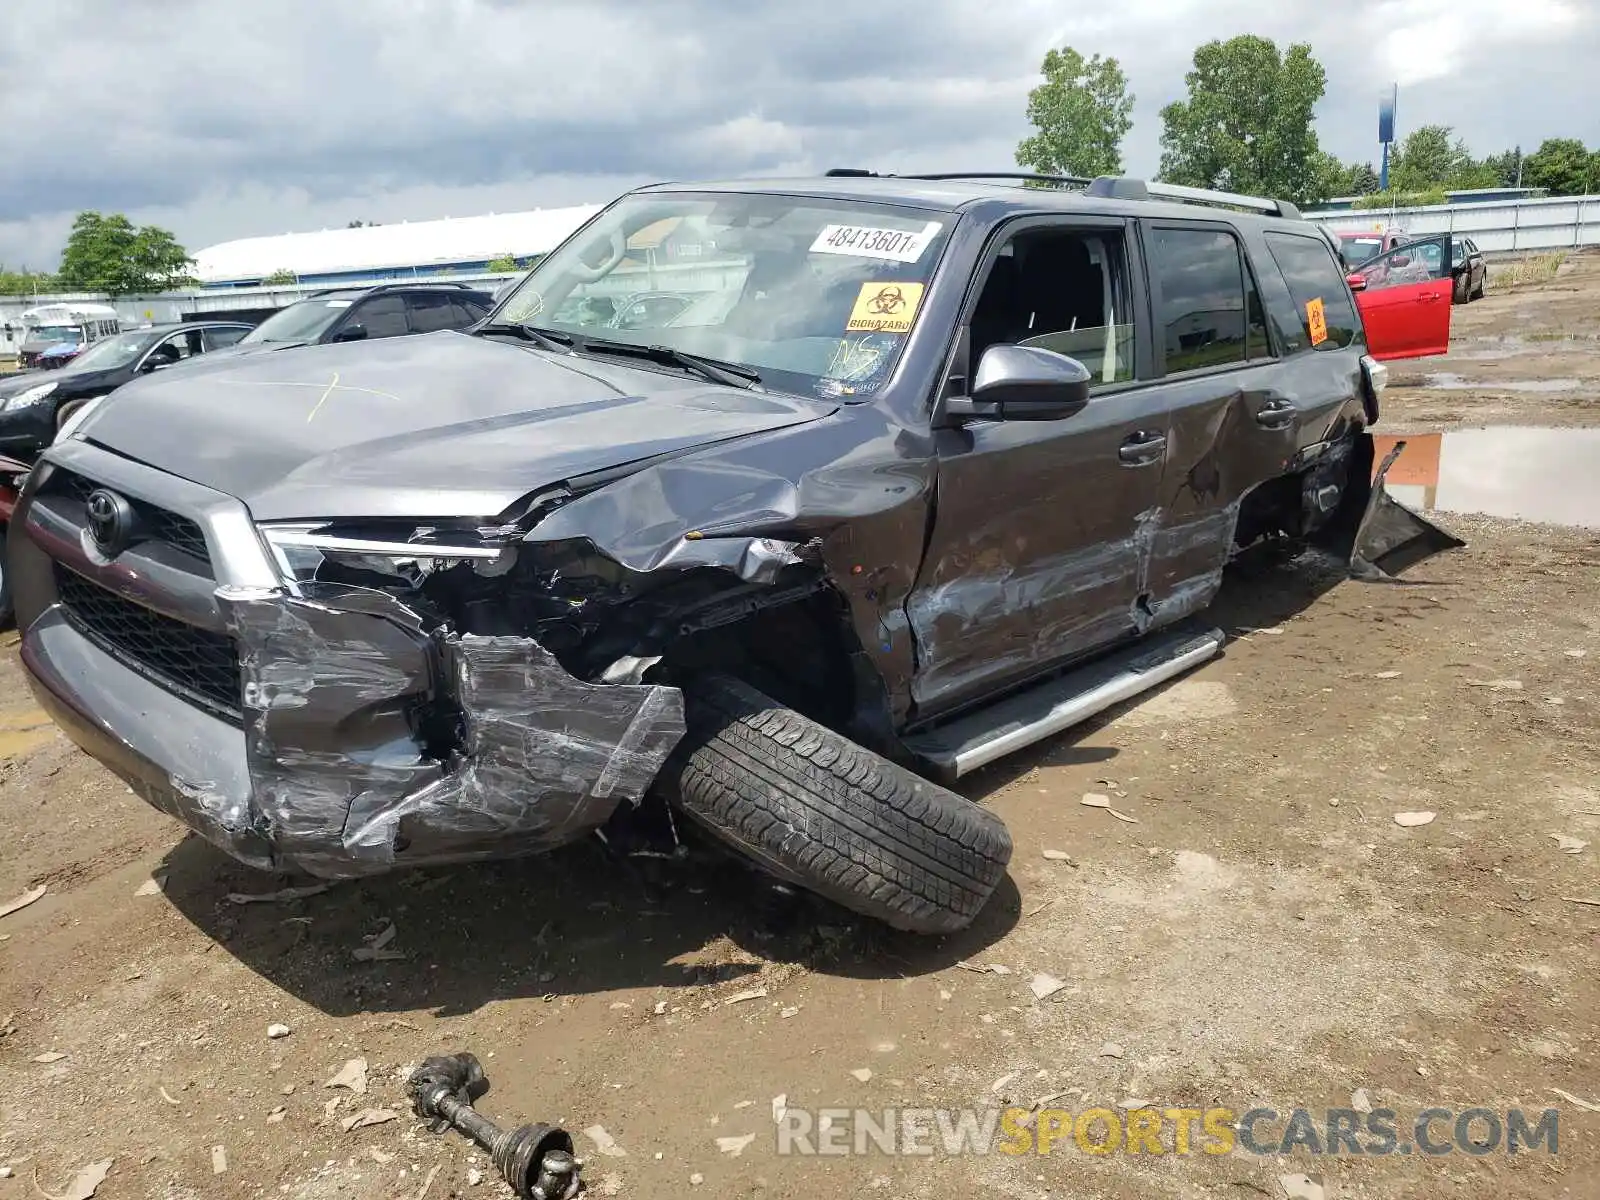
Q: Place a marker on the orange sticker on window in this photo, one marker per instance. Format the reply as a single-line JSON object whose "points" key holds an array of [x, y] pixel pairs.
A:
{"points": [[1316, 321], [885, 308]]}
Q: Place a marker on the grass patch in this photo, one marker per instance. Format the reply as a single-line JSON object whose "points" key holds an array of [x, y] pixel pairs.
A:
{"points": [[1530, 269]]}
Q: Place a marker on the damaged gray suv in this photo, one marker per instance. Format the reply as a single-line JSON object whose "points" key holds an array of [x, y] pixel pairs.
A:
{"points": [[912, 473]]}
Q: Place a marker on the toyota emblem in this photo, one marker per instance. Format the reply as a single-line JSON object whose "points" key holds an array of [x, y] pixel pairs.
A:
{"points": [[111, 522]]}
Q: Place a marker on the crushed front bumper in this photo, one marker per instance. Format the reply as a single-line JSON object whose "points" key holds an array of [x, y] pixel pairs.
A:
{"points": [[362, 741]]}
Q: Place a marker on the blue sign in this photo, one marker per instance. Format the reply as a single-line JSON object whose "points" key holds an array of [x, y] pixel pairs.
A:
{"points": [[1386, 105]]}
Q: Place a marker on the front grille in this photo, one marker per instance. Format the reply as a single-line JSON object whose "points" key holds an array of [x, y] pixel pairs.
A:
{"points": [[155, 524], [197, 663]]}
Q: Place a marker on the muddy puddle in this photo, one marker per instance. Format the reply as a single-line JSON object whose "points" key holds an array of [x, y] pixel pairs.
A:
{"points": [[1523, 472], [1445, 381]]}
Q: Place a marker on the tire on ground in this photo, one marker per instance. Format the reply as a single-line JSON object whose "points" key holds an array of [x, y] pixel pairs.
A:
{"points": [[819, 811]]}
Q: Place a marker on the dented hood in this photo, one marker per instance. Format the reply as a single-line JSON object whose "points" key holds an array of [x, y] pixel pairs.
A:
{"points": [[437, 425]]}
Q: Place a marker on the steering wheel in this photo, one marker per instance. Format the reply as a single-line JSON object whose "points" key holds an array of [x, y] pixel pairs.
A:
{"points": [[614, 254]]}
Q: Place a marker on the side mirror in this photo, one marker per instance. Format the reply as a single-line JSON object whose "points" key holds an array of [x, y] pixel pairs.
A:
{"points": [[1357, 281], [155, 364], [351, 333], [1024, 383]]}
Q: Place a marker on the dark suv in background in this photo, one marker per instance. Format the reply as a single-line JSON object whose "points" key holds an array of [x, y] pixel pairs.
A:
{"points": [[364, 314]]}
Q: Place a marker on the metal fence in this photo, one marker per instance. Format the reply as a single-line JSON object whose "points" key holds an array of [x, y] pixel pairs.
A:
{"points": [[1500, 227]]}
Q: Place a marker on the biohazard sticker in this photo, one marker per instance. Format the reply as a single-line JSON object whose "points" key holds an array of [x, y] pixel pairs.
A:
{"points": [[885, 308], [1316, 321], [865, 241]]}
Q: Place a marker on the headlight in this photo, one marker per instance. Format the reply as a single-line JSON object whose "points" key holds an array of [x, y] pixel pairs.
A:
{"points": [[302, 551], [28, 398]]}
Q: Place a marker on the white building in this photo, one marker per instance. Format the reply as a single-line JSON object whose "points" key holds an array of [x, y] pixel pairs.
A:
{"points": [[371, 252]]}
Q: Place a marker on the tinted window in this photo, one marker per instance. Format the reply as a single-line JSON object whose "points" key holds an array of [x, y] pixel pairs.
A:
{"points": [[1315, 282], [222, 336], [431, 312], [381, 317], [1062, 290], [1206, 319], [469, 312]]}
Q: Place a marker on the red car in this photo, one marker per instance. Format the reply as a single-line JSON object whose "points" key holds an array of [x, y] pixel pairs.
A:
{"points": [[1403, 291], [1356, 246]]}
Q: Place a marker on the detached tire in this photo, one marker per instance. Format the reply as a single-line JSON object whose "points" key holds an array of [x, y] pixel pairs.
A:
{"points": [[821, 812]]}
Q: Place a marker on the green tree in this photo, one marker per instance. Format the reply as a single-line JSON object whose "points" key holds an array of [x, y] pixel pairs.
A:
{"points": [[1428, 160], [1246, 126], [1081, 113], [24, 282], [107, 253], [1335, 178], [1564, 165], [1503, 168], [505, 262], [281, 276]]}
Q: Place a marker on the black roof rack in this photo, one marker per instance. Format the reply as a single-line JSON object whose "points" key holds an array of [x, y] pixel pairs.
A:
{"points": [[1107, 187], [390, 284]]}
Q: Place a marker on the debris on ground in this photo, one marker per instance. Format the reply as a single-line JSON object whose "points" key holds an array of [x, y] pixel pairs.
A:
{"points": [[276, 1031], [755, 993], [1110, 1050], [23, 900], [352, 1075], [780, 1105], [1301, 1187], [367, 1117], [1586, 1105], [49, 1056], [281, 896], [786, 1013], [1043, 986], [377, 947], [152, 886], [474, 1177], [862, 1074], [1100, 800], [167, 1096], [735, 1146], [1411, 820], [604, 1142], [1497, 685], [1568, 845], [1360, 1101], [1387, 675], [219, 1160], [83, 1184]]}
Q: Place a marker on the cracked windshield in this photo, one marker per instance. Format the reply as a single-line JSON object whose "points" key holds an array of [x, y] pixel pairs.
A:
{"points": [[816, 297]]}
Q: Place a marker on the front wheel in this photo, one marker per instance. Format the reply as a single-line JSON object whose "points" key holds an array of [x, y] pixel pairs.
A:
{"points": [[817, 810], [1458, 293]]}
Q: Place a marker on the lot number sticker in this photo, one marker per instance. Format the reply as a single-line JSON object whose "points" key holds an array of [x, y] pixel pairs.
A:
{"points": [[864, 241], [885, 308], [1316, 321]]}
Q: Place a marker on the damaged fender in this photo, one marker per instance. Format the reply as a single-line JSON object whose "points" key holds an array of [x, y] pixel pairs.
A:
{"points": [[1387, 537], [374, 742]]}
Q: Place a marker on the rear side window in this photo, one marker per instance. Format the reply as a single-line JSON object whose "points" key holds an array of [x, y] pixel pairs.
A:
{"points": [[1211, 314], [431, 312], [1323, 316], [383, 316], [469, 312], [219, 337]]}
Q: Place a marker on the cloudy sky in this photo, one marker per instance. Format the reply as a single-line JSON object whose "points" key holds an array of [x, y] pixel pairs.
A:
{"points": [[222, 119]]}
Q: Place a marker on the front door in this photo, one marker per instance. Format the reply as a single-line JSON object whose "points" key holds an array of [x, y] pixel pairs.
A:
{"points": [[1404, 299], [1042, 528]]}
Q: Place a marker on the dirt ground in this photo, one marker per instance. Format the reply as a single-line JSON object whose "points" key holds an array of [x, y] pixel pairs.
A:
{"points": [[1263, 933]]}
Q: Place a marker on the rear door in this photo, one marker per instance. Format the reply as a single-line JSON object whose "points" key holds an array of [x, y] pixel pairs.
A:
{"points": [[1404, 299]]}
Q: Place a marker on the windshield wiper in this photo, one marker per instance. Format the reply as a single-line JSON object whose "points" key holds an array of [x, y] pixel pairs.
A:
{"points": [[727, 374], [545, 339]]}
